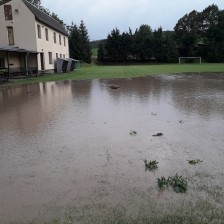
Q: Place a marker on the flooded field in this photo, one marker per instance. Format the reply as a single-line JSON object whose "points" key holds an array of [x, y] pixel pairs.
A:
{"points": [[74, 151]]}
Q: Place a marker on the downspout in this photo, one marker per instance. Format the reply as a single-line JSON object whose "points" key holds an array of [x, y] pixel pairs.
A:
{"points": [[8, 62], [26, 63]]}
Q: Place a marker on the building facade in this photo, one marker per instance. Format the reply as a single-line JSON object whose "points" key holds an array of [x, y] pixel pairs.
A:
{"points": [[29, 38]]}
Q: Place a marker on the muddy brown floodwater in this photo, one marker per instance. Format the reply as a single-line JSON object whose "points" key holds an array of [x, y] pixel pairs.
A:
{"points": [[67, 155]]}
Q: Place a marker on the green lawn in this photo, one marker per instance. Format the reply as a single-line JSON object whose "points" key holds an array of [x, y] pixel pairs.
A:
{"points": [[121, 71]]}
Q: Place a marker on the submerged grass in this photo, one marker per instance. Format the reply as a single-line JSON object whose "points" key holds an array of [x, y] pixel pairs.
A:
{"points": [[178, 183], [121, 71], [151, 165], [186, 215], [194, 162]]}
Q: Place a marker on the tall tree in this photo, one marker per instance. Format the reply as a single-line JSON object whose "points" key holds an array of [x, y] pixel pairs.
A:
{"points": [[171, 53], [79, 44], [158, 45], [101, 53], [74, 42], [113, 46], [143, 42], [187, 33], [85, 43], [209, 19], [215, 36]]}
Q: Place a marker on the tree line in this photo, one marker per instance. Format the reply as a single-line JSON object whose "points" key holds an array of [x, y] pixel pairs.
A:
{"points": [[195, 34], [202, 34], [142, 45]]}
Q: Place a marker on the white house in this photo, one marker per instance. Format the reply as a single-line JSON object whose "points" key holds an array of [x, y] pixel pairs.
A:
{"points": [[30, 40]]}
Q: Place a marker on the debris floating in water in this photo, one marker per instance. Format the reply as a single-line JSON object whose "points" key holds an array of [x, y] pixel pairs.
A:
{"points": [[158, 135], [133, 133], [154, 114], [113, 86]]}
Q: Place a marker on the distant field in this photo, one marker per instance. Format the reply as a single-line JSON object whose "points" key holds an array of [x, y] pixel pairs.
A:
{"points": [[94, 51], [122, 71]]}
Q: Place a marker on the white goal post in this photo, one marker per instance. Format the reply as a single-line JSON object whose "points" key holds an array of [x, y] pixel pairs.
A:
{"points": [[189, 58]]}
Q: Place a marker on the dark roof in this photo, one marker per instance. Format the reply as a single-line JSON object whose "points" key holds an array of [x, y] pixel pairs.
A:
{"points": [[42, 17], [46, 19], [2, 2]]}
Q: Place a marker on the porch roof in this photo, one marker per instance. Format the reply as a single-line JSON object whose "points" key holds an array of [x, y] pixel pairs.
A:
{"points": [[16, 49]]}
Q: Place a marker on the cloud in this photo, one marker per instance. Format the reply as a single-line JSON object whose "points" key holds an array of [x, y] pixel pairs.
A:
{"points": [[101, 16]]}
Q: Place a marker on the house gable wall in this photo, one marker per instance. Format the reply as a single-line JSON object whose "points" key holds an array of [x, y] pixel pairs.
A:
{"points": [[23, 23], [25, 31]]}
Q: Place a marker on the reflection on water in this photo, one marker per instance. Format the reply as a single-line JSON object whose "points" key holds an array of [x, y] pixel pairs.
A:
{"points": [[199, 94], [66, 144]]}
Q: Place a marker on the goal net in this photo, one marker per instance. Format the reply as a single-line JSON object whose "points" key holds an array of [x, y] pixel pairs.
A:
{"points": [[189, 59]]}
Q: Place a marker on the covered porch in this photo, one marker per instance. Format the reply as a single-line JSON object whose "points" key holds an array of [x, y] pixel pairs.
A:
{"points": [[17, 63]]}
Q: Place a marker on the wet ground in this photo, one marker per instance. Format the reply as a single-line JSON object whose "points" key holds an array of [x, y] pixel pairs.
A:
{"points": [[67, 156]]}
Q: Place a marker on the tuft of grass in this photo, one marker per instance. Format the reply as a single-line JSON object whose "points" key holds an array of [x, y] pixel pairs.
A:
{"points": [[178, 183], [194, 162], [162, 182], [151, 165]]}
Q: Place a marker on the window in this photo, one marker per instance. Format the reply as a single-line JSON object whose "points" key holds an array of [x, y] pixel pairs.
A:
{"points": [[60, 39], [8, 12], [60, 55], [50, 58], [55, 39], [56, 55], [64, 41], [10, 35], [46, 34], [39, 31], [63, 56], [2, 63]]}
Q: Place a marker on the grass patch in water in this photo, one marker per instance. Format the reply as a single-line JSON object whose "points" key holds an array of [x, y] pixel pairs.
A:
{"points": [[151, 165], [178, 183], [162, 182], [194, 162]]}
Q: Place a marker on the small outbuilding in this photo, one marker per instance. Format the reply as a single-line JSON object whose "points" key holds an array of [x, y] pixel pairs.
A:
{"points": [[67, 65]]}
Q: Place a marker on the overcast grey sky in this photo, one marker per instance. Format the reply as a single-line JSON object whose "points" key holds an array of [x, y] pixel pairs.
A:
{"points": [[101, 16]]}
